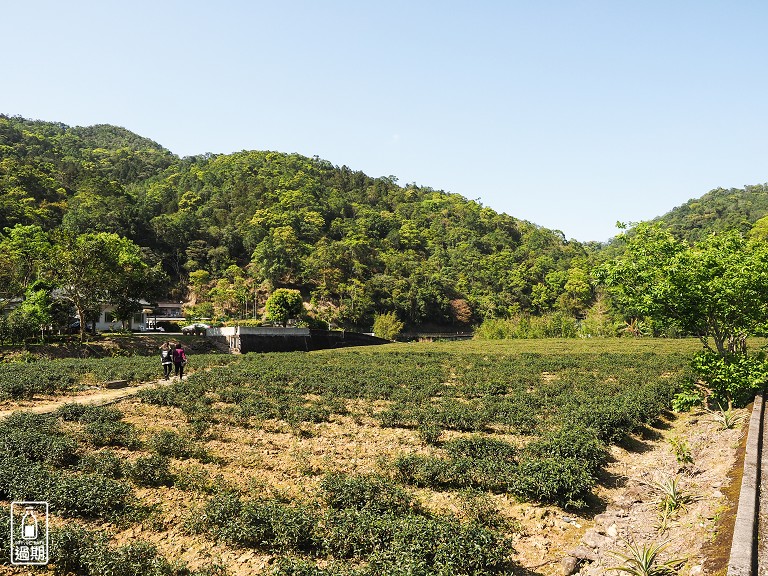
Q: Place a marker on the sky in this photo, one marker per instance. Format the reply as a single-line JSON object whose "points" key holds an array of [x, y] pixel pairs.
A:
{"points": [[570, 114]]}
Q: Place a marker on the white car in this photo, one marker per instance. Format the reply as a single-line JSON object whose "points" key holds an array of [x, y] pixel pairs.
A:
{"points": [[196, 328]]}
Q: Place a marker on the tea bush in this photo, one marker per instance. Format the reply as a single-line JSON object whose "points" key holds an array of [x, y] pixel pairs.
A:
{"points": [[104, 463], [575, 442], [564, 481], [265, 524], [171, 443], [75, 550], [151, 470], [84, 413], [79, 495], [371, 492], [36, 438], [111, 433], [389, 543]]}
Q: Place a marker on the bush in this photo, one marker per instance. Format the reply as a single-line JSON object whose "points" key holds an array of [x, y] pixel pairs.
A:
{"points": [[265, 524], [36, 438], [74, 412], [89, 496], [387, 326], [173, 444], [565, 481], [372, 492], [104, 463], [575, 442], [112, 433], [480, 447], [75, 550], [732, 379], [152, 470], [282, 305], [409, 544]]}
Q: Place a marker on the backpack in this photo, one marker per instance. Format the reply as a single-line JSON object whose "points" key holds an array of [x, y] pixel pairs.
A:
{"points": [[179, 356], [165, 356]]}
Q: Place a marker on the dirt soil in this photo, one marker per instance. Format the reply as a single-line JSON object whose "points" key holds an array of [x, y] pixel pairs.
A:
{"points": [[274, 458]]}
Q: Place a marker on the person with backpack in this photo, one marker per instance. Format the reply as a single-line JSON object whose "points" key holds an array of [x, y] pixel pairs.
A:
{"points": [[179, 360], [166, 359]]}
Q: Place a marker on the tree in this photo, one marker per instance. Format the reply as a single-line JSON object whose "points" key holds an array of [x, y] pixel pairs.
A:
{"points": [[91, 269], [387, 326], [23, 252], [282, 305], [716, 289]]}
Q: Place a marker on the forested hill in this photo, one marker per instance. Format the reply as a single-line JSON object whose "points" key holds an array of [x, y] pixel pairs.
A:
{"points": [[717, 211], [226, 227]]}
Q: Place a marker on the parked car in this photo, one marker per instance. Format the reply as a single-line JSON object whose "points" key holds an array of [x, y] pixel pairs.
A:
{"points": [[196, 328], [74, 327]]}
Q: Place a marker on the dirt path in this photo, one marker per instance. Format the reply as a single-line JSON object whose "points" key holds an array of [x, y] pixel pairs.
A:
{"points": [[97, 398]]}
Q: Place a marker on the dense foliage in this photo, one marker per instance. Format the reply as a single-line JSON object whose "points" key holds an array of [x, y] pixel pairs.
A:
{"points": [[230, 228], [718, 211]]}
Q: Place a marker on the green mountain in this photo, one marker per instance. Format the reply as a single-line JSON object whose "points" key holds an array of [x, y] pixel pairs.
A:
{"points": [[229, 228], [717, 211]]}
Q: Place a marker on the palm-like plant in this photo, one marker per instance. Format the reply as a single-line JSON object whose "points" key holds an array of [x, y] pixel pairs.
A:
{"points": [[726, 419], [673, 497], [642, 560]]}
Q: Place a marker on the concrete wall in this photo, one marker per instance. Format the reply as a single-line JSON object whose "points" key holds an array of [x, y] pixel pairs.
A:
{"points": [[267, 339]]}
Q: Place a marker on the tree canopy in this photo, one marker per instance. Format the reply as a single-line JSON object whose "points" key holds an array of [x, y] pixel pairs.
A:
{"points": [[717, 288]]}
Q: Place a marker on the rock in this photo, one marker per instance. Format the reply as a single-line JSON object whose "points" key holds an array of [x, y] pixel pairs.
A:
{"points": [[604, 519], [569, 565], [696, 570], [594, 539], [630, 496], [612, 530], [717, 494], [583, 553]]}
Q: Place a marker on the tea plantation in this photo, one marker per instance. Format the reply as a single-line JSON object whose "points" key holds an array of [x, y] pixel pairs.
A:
{"points": [[529, 420]]}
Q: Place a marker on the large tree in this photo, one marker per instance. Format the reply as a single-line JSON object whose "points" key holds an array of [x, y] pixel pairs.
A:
{"points": [[94, 269], [23, 251], [716, 289]]}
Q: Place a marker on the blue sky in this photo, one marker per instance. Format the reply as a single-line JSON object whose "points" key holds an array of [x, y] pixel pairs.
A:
{"points": [[569, 114]]}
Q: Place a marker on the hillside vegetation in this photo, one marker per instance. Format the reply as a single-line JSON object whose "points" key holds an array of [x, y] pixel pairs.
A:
{"points": [[222, 232], [228, 228]]}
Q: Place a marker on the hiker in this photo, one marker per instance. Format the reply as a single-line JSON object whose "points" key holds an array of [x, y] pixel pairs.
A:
{"points": [[166, 359], [179, 360]]}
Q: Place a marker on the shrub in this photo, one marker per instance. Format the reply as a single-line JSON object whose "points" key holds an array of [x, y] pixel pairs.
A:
{"points": [[173, 444], [387, 326], [732, 379], [408, 544], [266, 524], [75, 550], [282, 305], [111, 433], [563, 481], [104, 463], [300, 567], [372, 492], [152, 470], [36, 438], [74, 412], [89, 496], [574, 442], [480, 447]]}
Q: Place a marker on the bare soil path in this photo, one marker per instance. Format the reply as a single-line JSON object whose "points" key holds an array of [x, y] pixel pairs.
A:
{"points": [[93, 398]]}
